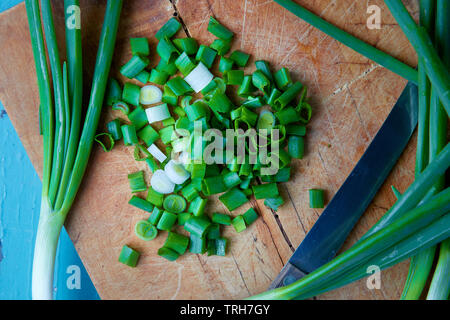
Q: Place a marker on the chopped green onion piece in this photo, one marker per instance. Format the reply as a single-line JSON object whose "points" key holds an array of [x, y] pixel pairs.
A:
{"points": [[296, 147], [166, 50], [221, 218], [138, 118], [198, 171], [158, 154], [169, 29], [239, 223], [144, 230], [316, 198], [250, 216], [197, 226], [174, 203], [221, 46], [231, 180], [114, 129], [221, 246], [263, 66], [167, 221], [283, 78], [266, 120], [161, 183], [219, 102], [134, 66], [246, 88], [196, 110], [168, 122], [155, 216], [139, 46], [305, 111], [287, 115], [206, 55], [152, 164], [233, 77], [288, 95], [179, 111], [143, 76], [158, 77], [129, 134], [169, 97], [274, 94], [148, 135], [254, 102], [219, 30], [157, 113], [264, 191], [138, 149], [283, 175], [246, 183], [177, 242], [260, 81], [169, 68], [121, 106], [296, 130], [184, 64], [131, 93], [240, 58], [155, 197], [274, 203], [150, 95], [110, 138], [248, 116], [199, 77], [113, 92], [129, 256], [213, 231], [213, 185], [197, 244], [188, 45], [167, 134], [178, 86], [233, 199], [225, 64], [141, 204], [168, 254], [183, 217], [137, 182], [189, 192], [197, 206]]}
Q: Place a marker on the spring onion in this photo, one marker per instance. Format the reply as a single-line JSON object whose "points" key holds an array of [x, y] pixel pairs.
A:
{"points": [[179, 86], [143, 76], [221, 46], [316, 198], [141, 204], [219, 30], [197, 226], [233, 199], [213, 231], [225, 64], [274, 203], [197, 206], [184, 64], [206, 55], [287, 115], [246, 88], [221, 218], [150, 94], [239, 223], [199, 77], [134, 66], [155, 215], [264, 191], [131, 93], [113, 92], [296, 147], [176, 172], [187, 45], [233, 77], [161, 183], [144, 230], [158, 154], [167, 221], [129, 135], [250, 216], [168, 254], [197, 244], [240, 58], [304, 111], [138, 118], [139, 46], [288, 95], [121, 106], [114, 128], [169, 29], [129, 256], [148, 135], [157, 113], [177, 242], [158, 77], [166, 50], [137, 182], [260, 81], [111, 141]]}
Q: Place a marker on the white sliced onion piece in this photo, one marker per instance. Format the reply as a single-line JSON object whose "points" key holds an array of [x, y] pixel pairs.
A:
{"points": [[158, 113], [176, 172], [155, 152], [150, 94], [161, 183], [199, 78], [184, 158]]}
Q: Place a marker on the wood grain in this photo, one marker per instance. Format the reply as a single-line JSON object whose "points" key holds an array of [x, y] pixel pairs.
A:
{"points": [[351, 97]]}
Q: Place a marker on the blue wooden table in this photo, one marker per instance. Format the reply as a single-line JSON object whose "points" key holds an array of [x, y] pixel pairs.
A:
{"points": [[20, 190]]}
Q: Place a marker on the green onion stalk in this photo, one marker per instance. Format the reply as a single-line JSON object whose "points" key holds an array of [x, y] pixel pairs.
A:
{"points": [[65, 153]]}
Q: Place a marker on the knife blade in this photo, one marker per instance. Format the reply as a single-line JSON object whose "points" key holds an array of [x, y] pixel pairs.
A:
{"points": [[329, 232]]}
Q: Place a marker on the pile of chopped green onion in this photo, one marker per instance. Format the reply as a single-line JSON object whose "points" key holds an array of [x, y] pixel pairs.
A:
{"points": [[180, 93]]}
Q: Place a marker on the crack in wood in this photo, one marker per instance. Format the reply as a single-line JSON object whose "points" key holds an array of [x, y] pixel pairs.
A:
{"points": [[177, 14], [240, 273]]}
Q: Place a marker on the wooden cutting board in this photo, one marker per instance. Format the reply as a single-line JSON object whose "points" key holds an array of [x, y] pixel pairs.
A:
{"points": [[351, 97]]}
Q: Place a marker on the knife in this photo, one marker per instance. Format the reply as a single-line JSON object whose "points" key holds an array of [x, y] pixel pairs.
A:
{"points": [[329, 232]]}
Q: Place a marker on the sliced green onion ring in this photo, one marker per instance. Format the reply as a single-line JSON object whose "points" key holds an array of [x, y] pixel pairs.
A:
{"points": [[199, 77], [161, 183], [150, 95]]}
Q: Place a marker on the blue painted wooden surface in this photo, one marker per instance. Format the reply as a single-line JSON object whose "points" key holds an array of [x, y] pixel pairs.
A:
{"points": [[19, 213]]}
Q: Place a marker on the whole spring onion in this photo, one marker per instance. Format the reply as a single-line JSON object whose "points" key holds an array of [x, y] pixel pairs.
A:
{"points": [[62, 178]]}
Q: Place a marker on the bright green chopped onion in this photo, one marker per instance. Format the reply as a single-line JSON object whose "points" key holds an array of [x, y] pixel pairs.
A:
{"points": [[166, 134], [305, 111], [287, 115], [169, 29], [246, 88], [316, 198], [240, 58], [121, 106], [264, 191], [225, 64], [114, 129], [168, 68], [188, 45], [183, 217], [153, 166], [206, 55], [131, 93], [141, 204], [189, 192], [158, 77], [296, 147], [174, 203], [150, 95], [221, 46], [196, 110], [129, 256], [110, 137], [139, 46], [248, 116], [253, 102], [283, 175], [179, 111], [219, 30], [157, 113], [231, 179], [250, 216], [184, 64], [138, 118], [239, 223], [134, 66], [221, 218], [166, 50], [168, 254], [266, 120], [198, 171], [261, 82], [219, 102], [197, 206], [213, 185], [113, 92], [167, 221], [177, 242], [148, 135], [221, 245], [288, 95], [197, 226], [263, 66], [143, 76], [274, 94], [168, 122], [155, 197], [137, 181], [233, 199], [144, 230], [296, 130], [129, 135], [178, 86], [233, 77], [213, 231], [283, 78], [155, 216], [138, 150], [197, 244], [274, 203], [169, 97], [245, 184]]}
